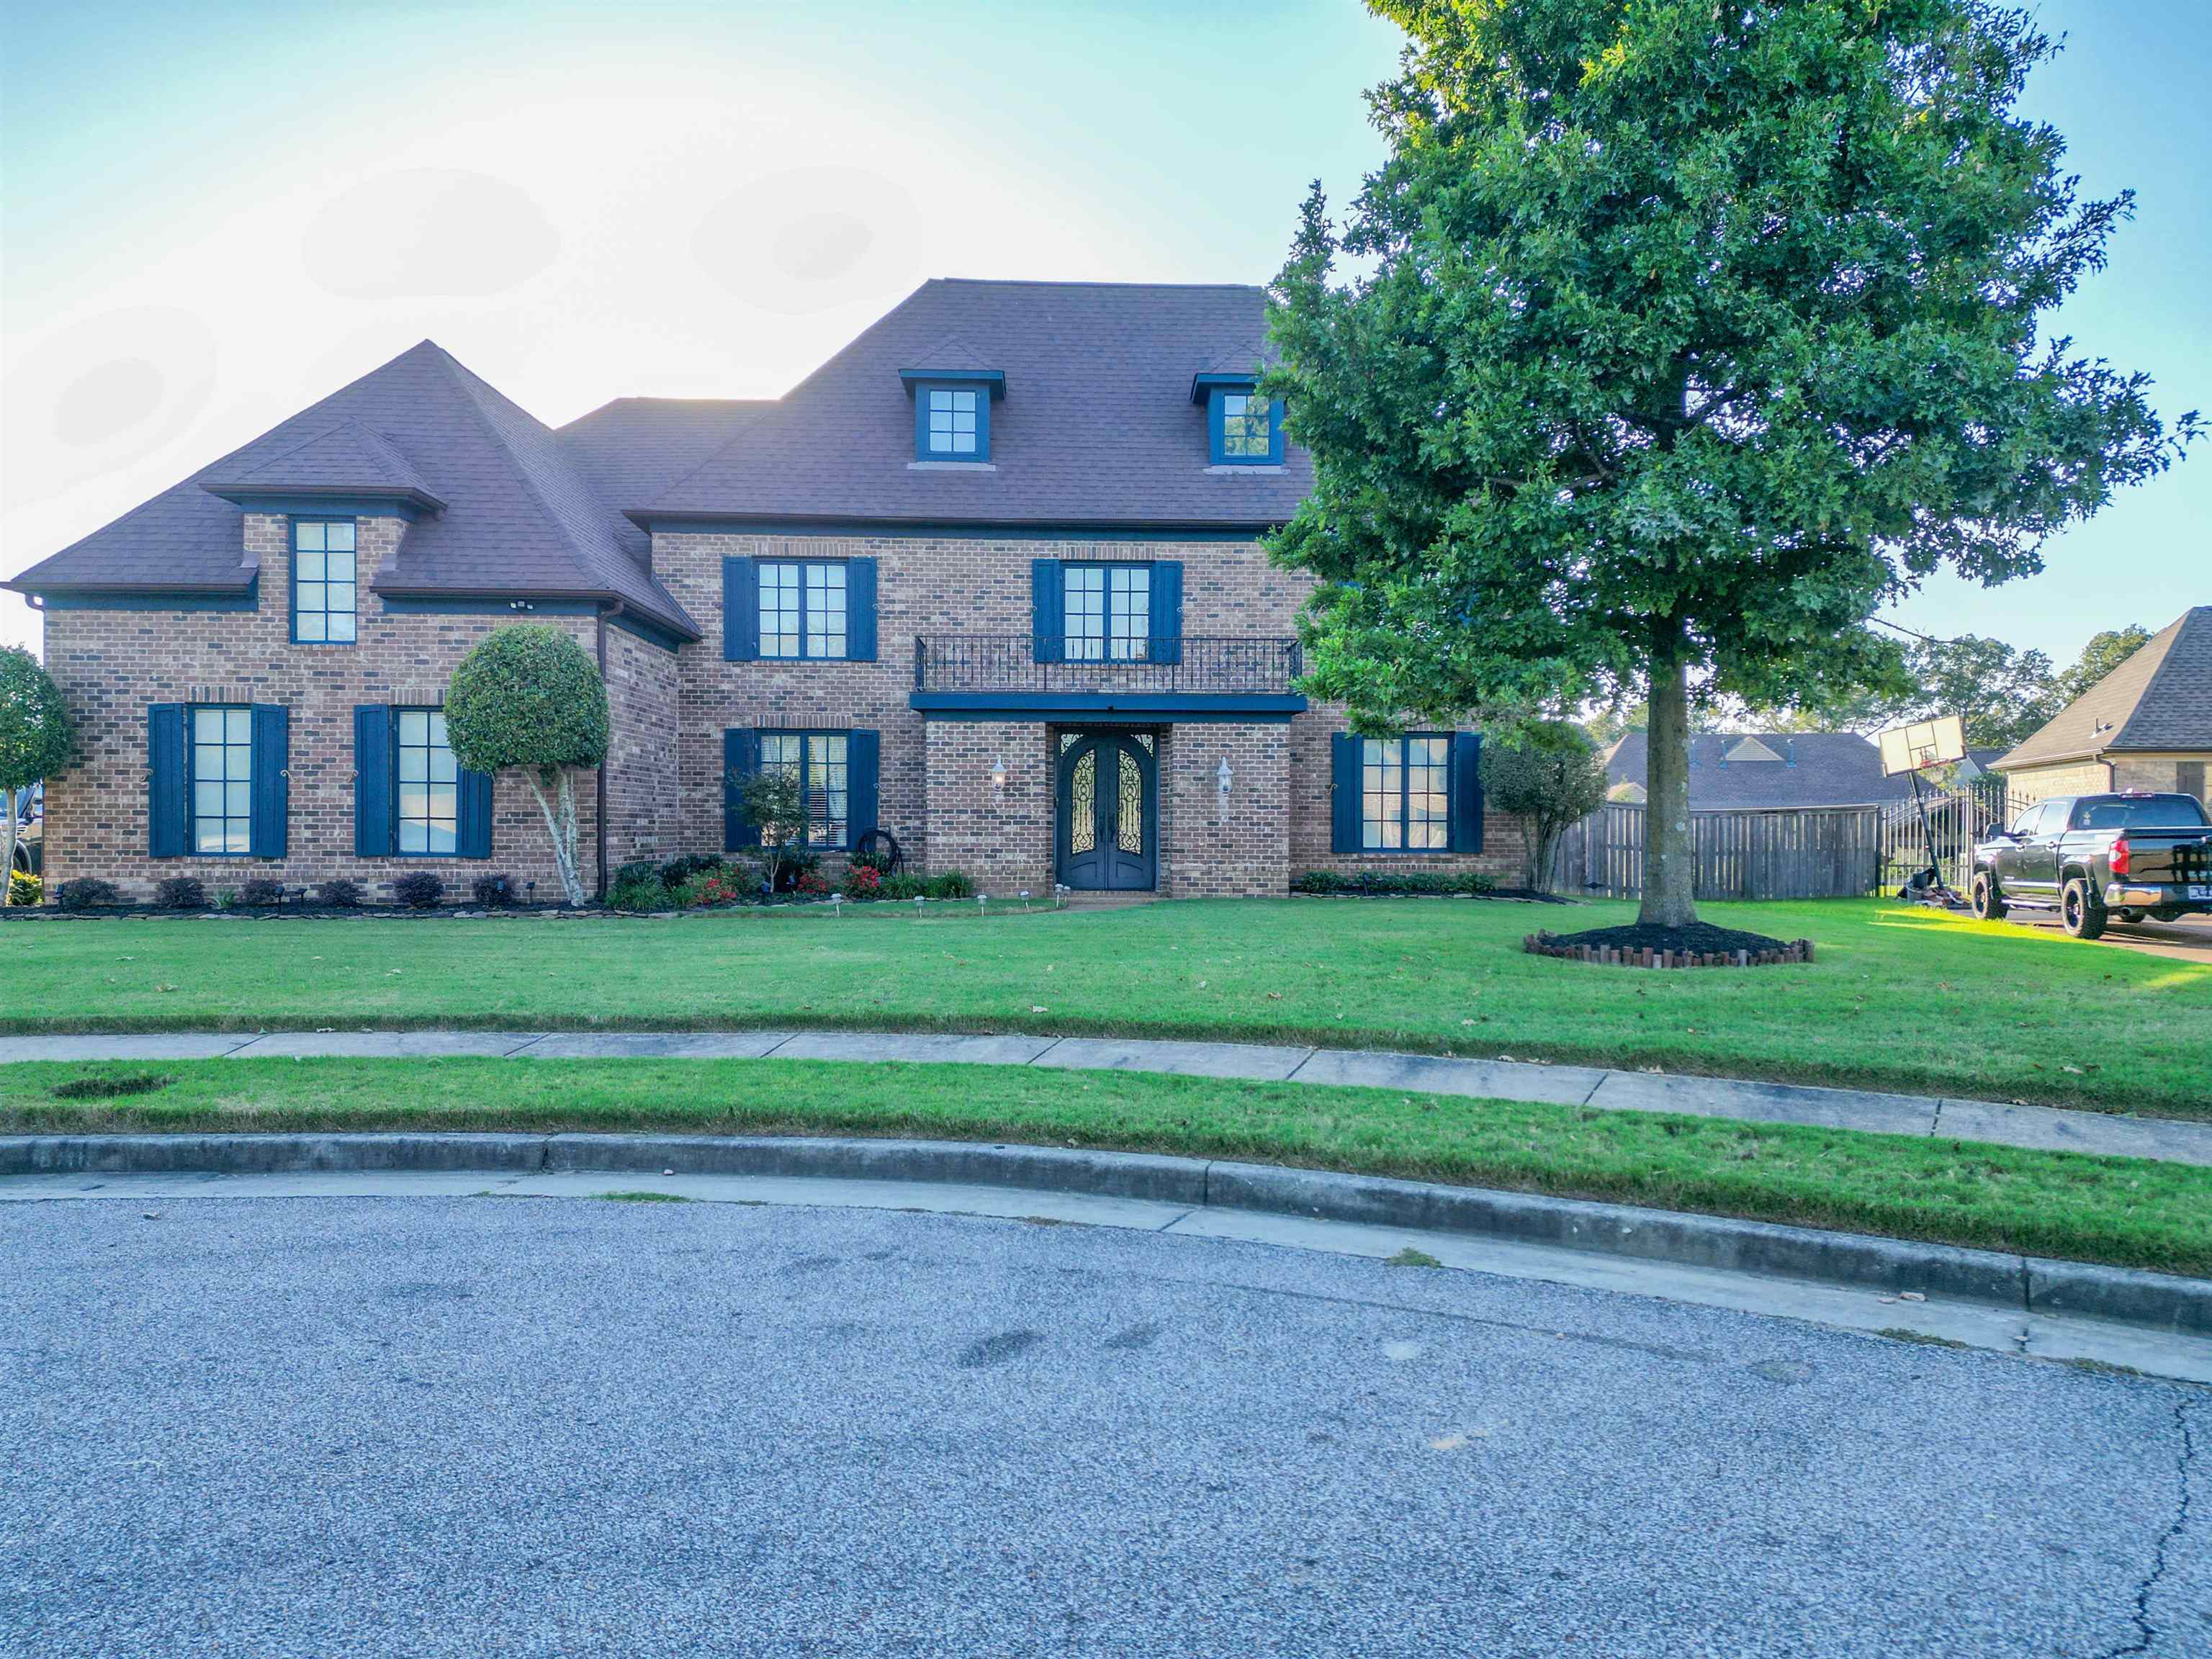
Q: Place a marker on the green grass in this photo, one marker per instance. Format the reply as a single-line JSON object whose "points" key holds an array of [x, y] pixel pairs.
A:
{"points": [[1898, 998], [2133, 1213]]}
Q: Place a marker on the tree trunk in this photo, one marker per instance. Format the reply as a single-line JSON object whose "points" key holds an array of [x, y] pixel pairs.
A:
{"points": [[560, 825], [8, 864], [1669, 858]]}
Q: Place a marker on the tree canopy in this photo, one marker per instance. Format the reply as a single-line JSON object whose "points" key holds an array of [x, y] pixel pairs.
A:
{"points": [[1673, 340]]}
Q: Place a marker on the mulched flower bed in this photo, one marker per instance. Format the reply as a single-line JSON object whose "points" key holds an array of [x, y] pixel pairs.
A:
{"points": [[1643, 945]]}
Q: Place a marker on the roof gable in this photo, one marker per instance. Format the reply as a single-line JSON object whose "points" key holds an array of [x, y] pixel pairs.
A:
{"points": [[343, 459], [1096, 426], [2160, 698]]}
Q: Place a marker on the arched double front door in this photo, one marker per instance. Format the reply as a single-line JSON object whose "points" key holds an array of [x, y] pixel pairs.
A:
{"points": [[1107, 821]]}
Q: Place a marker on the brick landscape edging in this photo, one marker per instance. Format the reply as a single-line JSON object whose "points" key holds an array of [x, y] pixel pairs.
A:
{"points": [[1550, 944], [2031, 1285]]}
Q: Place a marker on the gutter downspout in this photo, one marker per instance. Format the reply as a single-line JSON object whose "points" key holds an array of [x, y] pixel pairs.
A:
{"points": [[601, 801]]}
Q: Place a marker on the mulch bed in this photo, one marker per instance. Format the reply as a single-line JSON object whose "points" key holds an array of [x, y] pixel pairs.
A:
{"points": [[1642, 944]]}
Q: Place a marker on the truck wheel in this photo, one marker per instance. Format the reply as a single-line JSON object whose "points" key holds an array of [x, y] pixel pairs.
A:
{"points": [[2081, 911], [1988, 905]]}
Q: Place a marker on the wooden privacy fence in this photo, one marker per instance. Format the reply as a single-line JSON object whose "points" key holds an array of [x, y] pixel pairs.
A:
{"points": [[1812, 853]]}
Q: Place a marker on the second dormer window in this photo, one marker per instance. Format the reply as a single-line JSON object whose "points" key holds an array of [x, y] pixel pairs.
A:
{"points": [[1244, 429], [954, 418]]}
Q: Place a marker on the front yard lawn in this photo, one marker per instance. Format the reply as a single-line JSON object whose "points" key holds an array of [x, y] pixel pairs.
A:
{"points": [[2117, 1210], [1898, 998]]}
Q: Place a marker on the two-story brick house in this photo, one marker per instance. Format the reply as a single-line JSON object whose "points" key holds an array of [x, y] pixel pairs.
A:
{"points": [[990, 581]]}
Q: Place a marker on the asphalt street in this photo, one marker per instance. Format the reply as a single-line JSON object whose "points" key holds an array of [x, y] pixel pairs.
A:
{"points": [[477, 1426]]}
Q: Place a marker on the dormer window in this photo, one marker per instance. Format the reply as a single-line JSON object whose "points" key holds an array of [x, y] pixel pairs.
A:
{"points": [[1243, 428], [955, 423], [952, 407]]}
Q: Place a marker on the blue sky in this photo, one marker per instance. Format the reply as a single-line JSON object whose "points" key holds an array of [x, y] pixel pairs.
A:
{"points": [[215, 214]]}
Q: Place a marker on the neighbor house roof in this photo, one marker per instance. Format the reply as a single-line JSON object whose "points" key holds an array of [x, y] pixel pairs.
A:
{"points": [[507, 510], [1745, 771], [2160, 700], [1096, 426]]}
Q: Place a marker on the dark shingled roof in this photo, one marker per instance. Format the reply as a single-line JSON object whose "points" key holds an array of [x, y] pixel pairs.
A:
{"points": [[519, 518], [1096, 426], [1814, 768], [634, 447], [2160, 700]]}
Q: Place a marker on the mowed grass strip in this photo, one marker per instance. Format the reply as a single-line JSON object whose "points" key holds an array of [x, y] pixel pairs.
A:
{"points": [[2122, 1210], [1898, 998]]}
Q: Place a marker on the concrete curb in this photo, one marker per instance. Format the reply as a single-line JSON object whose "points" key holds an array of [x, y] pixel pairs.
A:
{"points": [[2157, 1301]]}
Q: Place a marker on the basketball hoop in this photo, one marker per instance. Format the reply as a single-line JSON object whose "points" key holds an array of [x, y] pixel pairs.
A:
{"points": [[1912, 750]]}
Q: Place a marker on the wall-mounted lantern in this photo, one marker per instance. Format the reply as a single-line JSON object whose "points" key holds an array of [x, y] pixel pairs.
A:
{"points": [[998, 779], [1222, 779]]}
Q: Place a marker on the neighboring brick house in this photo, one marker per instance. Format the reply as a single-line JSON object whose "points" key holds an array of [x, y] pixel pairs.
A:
{"points": [[2147, 725], [990, 581]]}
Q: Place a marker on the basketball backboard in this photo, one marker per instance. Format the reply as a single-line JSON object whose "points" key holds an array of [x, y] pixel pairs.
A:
{"points": [[1924, 744]]}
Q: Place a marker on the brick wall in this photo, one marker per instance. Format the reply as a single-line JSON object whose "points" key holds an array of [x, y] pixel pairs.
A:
{"points": [[1216, 847], [999, 837], [2031, 784], [644, 805], [110, 664]]}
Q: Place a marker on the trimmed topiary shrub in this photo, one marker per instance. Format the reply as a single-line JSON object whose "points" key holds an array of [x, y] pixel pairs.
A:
{"points": [[260, 893], [87, 893], [181, 893], [341, 894], [418, 890], [529, 699], [494, 892]]}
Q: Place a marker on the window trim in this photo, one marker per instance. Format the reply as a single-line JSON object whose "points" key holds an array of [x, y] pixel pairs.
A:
{"points": [[292, 523], [806, 736], [399, 818], [922, 451], [1405, 799], [1106, 657], [761, 567], [1216, 436], [191, 779]]}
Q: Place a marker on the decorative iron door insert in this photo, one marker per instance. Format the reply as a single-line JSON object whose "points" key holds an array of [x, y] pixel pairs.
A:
{"points": [[1107, 820]]}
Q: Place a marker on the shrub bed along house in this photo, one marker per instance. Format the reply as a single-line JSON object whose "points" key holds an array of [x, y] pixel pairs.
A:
{"points": [[261, 894], [1381, 884], [418, 890], [181, 893]]}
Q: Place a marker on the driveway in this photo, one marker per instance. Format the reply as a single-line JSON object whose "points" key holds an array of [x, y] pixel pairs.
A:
{"points": [[2187, 939], [573, 1426]]}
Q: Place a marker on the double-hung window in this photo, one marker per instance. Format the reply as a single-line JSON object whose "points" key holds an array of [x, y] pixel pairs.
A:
{"points": [[1108, 612], [952, 431], [802, 610], [428, 803], [323, 581], [1405, 794], [818, 762], [223, 781]]}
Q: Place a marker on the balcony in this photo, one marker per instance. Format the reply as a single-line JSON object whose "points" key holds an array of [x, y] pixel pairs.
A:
{"points": [[990, 675]]}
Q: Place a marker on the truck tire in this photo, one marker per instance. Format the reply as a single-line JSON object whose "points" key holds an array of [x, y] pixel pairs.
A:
{"points": [[2080, 912], [1987, 903]]}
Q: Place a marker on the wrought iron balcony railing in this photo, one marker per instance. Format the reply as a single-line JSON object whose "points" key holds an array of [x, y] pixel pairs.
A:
{"points": [[1242, 666]]}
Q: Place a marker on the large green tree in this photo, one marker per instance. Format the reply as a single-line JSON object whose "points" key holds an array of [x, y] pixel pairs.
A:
{"points": [[1670, 341], [34, 742]]}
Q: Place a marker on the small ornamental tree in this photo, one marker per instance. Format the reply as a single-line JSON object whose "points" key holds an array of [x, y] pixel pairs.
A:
{"points": [[35, 741], [531, 700], [1677, 338], [773, 804], [1548, 776]]}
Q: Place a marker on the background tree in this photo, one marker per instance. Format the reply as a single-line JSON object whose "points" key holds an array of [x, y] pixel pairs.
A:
{"points": [[2002, 695], [34, 742], [529, 699], [1679, 338], [1549, 775], [2105, 651]]}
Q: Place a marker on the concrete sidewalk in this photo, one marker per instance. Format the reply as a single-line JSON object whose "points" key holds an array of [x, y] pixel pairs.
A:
{"points": [[2038, 1127]]}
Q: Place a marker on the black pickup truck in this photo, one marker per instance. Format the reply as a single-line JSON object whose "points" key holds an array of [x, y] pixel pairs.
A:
{"points": [[2092, 857]]}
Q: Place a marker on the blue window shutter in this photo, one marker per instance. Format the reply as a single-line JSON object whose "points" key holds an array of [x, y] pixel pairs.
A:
{"points": [[1048, 624], [860, 609], [167, 829], [371, 780], [473, 822], [1467, 791], [1275, 433], [1344, 794], [863, 768], [740, 760], [272, 787], [740, 612], [1167, 611]]}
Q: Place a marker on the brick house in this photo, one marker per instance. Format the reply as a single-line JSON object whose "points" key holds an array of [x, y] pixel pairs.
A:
{"points": [[2147, 725], [988, 580]]}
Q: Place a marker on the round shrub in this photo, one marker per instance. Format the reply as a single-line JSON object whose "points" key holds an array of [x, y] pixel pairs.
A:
{"points": [[181, 893], [341, 894], [528, 696], [493, 892], [260, 893], [864, 881], [678, 871], [87, 893], [24, 890], [418, 890]]}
